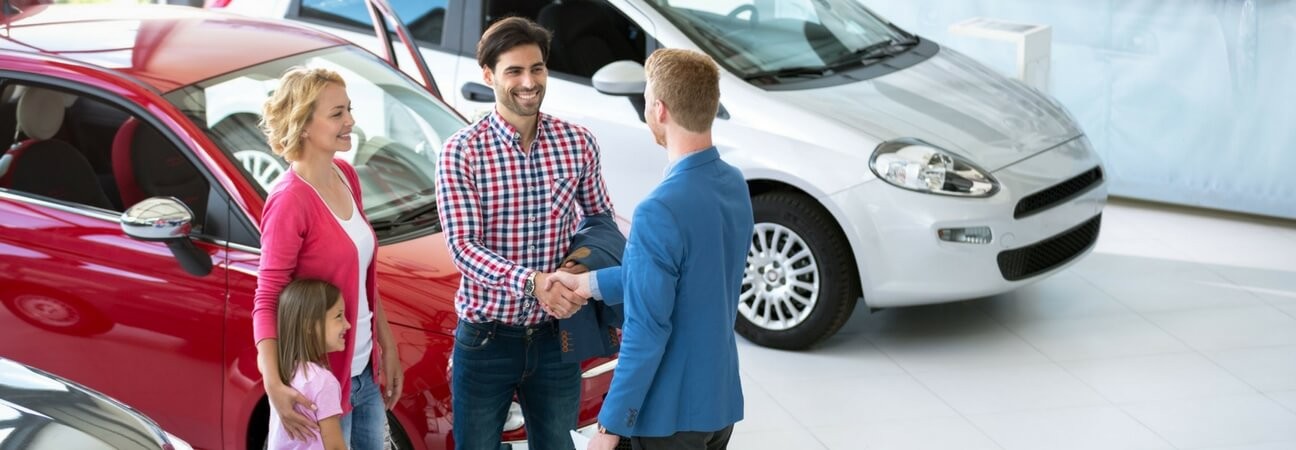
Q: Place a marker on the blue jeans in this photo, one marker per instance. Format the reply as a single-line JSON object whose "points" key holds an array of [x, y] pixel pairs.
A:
{"points": [[494, 361], [365, 427]]}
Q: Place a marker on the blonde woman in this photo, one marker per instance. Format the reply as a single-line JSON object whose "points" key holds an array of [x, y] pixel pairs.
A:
{"points": [[313, 226]]}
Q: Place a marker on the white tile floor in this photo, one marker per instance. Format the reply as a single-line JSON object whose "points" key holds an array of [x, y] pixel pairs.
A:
{"points": [[1178, 332]]}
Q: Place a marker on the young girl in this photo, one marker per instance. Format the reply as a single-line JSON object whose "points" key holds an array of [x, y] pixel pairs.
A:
{"points": [[311, 324]]}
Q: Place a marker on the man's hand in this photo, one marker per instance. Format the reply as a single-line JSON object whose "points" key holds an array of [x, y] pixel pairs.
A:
{"points": [[576, 281], [557, 300], [603, 441], [284, 397], [572, 266]]}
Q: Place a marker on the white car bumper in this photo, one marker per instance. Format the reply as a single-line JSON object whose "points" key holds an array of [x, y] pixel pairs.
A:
{"points": [[904, 262], [587, 431]]}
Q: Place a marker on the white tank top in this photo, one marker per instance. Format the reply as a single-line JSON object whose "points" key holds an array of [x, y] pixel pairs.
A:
{"points": [[363, 238]]}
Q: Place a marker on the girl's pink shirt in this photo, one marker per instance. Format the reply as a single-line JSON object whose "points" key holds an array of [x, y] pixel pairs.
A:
{"points": [[318, 386], [301, 238]]}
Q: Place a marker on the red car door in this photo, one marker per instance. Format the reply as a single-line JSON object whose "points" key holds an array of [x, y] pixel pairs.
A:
{"points": [[83, 300]]}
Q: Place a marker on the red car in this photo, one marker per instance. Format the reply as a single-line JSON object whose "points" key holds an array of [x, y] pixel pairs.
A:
{"points": [[131, 189]]}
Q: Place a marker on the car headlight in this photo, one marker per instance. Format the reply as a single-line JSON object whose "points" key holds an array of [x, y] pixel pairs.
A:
{"points": [[918, 166]]}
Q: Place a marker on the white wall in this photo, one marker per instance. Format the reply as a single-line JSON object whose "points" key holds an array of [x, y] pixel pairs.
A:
{"points": [[1188, 101]]}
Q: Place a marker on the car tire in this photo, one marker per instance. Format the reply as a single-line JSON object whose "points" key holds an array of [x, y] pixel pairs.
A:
{"points": [[396, 437], [801, 282]]}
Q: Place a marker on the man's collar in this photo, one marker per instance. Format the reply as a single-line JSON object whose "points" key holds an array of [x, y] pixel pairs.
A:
{"points": [[507, 130], [692, 160], [500, 126]]}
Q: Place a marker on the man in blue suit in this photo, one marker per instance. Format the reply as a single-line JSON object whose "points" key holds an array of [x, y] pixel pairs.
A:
{"points": [[677, 384]]}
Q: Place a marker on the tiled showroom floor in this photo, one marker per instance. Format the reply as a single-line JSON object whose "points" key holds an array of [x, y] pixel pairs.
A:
{"points": [[1178, 332]]}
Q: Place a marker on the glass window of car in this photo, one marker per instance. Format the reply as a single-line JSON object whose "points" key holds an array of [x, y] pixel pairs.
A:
{"points": [[587, 34], [352, 13], [758, 38], [400, 129], [424, 18], [81, 151]]}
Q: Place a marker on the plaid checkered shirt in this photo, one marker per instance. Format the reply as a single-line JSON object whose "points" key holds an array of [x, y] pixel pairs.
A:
{"points": [[508, 213]]}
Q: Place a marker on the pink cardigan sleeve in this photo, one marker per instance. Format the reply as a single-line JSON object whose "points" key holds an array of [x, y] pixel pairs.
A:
{"points": [[283, 229]]}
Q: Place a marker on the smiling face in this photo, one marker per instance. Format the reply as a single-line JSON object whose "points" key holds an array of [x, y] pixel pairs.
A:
{"points": [[329, 128], [519, 80], [335, 327]]}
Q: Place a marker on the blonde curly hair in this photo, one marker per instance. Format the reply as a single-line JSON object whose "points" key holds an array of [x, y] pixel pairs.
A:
{"points": [[286, 113]]}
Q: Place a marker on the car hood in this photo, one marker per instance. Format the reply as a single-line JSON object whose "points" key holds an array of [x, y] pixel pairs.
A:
{"points": [[948, 100], [44, 411]]}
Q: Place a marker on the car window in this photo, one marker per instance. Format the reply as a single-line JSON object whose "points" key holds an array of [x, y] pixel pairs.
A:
{"points": [[757, 38], [424, 18], [78, 150], [352, 13], [399, 131], [587, 34]]}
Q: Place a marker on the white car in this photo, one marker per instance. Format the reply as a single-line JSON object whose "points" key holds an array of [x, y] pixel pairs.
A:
{"points": [[882, 166]]}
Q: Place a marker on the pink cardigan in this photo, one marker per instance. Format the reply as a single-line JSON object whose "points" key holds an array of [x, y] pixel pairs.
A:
{"points": [[300, 238]]}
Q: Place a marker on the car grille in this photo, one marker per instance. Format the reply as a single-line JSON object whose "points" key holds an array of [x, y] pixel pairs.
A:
{"points": [[1026, 262], [1059, 193]]}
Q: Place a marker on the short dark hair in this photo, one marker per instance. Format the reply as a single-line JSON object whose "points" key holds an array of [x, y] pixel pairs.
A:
{"points": [[507, 33]]}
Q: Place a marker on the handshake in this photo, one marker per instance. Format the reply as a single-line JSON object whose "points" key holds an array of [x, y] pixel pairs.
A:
{"points": [[563, 292]]}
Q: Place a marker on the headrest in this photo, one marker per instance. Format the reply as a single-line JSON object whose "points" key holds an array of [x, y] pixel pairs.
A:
{"points": [[40, 112]]}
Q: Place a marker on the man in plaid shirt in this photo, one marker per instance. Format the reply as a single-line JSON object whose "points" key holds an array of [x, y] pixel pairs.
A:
{"points": [[513, 188]]}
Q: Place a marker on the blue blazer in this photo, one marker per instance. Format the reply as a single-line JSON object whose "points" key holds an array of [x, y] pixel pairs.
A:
{"points": [[679, 282]]}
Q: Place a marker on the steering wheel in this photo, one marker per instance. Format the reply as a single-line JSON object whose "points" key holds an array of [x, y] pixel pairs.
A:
{"points": [[755, 16]]}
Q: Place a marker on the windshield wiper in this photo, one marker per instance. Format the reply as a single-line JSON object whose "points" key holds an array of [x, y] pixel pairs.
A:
{"points": [[866, 55], [875, 52], [424, 214], [411, 217], [786, 72]]}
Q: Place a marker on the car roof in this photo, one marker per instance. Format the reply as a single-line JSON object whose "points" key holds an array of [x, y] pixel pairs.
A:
{"points": [[167, 47]]}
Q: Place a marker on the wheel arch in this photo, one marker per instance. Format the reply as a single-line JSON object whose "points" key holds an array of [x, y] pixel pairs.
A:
{"points": [[772, 182], [258, 425]]}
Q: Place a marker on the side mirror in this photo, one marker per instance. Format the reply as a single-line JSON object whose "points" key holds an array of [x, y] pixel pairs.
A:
{"points": [[166, 219], [621, 78]]}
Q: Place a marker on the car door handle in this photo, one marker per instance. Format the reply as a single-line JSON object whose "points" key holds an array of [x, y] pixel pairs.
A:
{"points": [[478, 92]]}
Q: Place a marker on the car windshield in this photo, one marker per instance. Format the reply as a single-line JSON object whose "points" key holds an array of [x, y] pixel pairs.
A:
{"points": [[782, 38], [398, 133]]}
